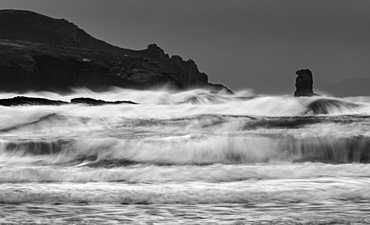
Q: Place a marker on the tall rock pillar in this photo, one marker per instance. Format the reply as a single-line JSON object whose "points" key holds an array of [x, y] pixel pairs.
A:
{"points": [[304, 83]]}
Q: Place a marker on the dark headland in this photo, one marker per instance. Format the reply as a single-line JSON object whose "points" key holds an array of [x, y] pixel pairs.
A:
{"points": [[40, 53]]}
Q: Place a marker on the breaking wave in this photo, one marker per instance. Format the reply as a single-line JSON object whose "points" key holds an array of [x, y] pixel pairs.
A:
{"points": [[163, 104], [187, 128], [280, 191], [197, 149]]}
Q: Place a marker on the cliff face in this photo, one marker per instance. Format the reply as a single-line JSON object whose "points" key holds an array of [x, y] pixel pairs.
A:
{"points": [[41, 53]]}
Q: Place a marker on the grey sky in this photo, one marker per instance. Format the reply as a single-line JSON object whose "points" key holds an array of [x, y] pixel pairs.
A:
{"points": [[243, 44]]}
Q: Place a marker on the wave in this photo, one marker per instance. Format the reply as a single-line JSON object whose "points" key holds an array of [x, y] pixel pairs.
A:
{"points": [[148, 173], [58, 123], [160, 96], [208, 129], [257, 192], [165, 104], [203, 150], [43, 121], [332, 106], [191, 149]]}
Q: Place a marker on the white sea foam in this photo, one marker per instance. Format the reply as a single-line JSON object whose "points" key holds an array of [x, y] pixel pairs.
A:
{"points": [[263, 191], [148, 174], [193, 147]]}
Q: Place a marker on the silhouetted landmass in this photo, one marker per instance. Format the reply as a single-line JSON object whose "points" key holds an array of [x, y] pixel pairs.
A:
{"points": [[304, 83], [23, 100], [40, 53], [350, 87], [91, 101]]}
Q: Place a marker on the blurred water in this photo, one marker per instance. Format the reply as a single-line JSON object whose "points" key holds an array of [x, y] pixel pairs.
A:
{"points": [[190, 157]]}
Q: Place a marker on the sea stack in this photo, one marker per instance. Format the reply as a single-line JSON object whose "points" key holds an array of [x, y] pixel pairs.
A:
{"points": [[304, 83]]}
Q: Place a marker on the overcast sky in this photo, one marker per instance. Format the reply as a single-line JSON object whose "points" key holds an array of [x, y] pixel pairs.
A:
{"points": [[242, 44]]}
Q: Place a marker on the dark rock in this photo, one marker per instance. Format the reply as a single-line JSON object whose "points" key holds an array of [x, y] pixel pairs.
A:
{"points": [[91, 101], [304, 83], [40, 53], [33, 27], [21, 100]]}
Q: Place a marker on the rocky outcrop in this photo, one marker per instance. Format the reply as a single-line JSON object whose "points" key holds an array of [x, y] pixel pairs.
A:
{"points": [[40, 53], [91, 101], [304, 83], [23, 100]]}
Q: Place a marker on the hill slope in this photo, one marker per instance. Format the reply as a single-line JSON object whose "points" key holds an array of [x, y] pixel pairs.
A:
{"points": [[38, 52], [30, 26]]}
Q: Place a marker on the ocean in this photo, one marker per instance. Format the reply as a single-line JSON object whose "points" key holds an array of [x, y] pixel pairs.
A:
{"points": [[192, 157]]}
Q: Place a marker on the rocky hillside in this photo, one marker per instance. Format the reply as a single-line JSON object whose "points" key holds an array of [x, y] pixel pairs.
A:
{"points": [[40, 53]]}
